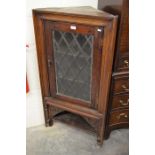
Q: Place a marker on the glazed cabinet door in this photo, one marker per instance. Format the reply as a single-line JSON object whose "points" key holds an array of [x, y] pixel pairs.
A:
{"points": [[73, 53]]}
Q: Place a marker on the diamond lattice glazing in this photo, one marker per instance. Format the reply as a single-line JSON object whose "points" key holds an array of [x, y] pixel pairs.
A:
{"points": [[73, 64]]}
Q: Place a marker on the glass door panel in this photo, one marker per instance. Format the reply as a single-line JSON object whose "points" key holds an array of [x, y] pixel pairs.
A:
{"points": [[73, 59]]}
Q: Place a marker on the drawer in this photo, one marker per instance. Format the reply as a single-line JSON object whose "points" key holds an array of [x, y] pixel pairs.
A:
{"points": [[121, 85], [120, 101], [118, 117], [123, 63]]}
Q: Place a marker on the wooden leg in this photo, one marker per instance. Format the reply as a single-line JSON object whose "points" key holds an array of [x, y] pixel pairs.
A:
{"points": [[100, 133], [106, 134], [48, 116], [51, 122]]}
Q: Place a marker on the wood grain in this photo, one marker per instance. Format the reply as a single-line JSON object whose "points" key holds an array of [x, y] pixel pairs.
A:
{"points": [[103, 27]]}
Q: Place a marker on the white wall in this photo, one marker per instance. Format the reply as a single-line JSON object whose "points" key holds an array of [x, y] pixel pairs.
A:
{"points": [[34, 106]]}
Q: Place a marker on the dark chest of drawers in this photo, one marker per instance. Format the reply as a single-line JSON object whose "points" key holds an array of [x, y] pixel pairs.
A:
{"points": [[118, 105]]}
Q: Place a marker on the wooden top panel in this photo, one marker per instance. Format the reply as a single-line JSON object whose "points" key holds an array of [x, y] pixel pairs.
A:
{"points": [[85, 11]]}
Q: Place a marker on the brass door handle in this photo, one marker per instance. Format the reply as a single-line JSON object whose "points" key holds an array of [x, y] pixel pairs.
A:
{"points": [[124, 115], [123, 103], [125, 87]]}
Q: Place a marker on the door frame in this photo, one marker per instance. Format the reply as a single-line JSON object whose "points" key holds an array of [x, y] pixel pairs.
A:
{"points": [[83, 29]]}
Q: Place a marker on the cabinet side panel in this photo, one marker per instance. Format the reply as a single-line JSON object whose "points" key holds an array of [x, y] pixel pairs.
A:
{"points": [[106, 69]]}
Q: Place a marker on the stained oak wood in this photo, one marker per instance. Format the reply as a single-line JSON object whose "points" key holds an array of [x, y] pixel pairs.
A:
{"points": [[123, 63], [82, 11], [121, 85], [84, 111], [97, 44], [88, 20], [121, 60], [120, 8], [120, 101], [116, 100], [119, 117]]}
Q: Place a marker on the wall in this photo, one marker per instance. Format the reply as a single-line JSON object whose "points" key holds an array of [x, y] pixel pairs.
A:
{"points": [[34, 111]]}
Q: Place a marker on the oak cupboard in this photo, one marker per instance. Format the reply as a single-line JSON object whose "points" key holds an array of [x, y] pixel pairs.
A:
{"points": [[75, 49]]}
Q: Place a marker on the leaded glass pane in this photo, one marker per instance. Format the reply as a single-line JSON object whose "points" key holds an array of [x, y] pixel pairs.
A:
{"points": [[73, 64]]}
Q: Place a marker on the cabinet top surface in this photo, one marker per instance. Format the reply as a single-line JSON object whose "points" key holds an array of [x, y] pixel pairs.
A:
{"points": [[76, 11]]}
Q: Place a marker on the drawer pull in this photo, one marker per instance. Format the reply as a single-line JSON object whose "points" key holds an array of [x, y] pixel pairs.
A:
{"points": [[126, 62], [125, 87], [124, 115], [123, 103]]}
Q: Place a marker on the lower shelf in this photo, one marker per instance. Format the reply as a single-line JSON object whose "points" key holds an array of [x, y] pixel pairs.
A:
{"points": [[74, 120]]}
